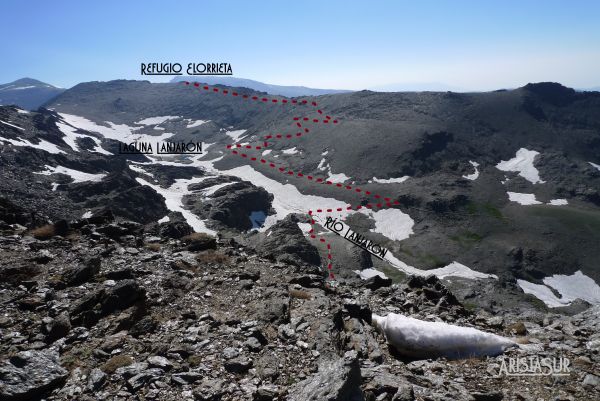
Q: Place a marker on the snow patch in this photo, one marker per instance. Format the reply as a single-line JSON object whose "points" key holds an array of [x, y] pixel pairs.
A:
{"points": [[577, 285], [87, 215], [523, 164], [235, 135], [421, 339], [366, 274], [595, 165], [523, 199], [196, 123], [391, 223], [140, 170], [165, 219], [266, 152], [559, 202], [71, 136], [43, 145], [76, 175], [474, 175], [156, 120], [390, 180], [290, 151]]}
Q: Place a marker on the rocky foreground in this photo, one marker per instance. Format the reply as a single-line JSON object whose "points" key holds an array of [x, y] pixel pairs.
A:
{"points": [[96, 309]]}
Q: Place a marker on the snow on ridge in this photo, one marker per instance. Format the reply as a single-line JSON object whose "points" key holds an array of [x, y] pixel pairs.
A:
{"points": [[397, 180], [12, 125], [156, 120], [523, 164], [577, 285], [423, 339], [595, 165], [523, 199], [474, 175], [76, 175], [140, 170], [454, 269], [43, 145]]}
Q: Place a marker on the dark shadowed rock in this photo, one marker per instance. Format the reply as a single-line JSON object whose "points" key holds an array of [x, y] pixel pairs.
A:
{"points": [[30, 374], [82, 273], [288, 244]]}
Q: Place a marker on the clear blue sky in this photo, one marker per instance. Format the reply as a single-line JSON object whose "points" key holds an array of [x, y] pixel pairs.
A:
{"points": [[471, 45]]}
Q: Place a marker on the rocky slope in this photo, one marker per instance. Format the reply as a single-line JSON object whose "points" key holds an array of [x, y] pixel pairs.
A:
{"points": [[113, 310]]}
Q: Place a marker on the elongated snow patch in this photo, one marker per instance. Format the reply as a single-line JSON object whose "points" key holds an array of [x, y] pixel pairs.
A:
{"points": [[420, 339]]}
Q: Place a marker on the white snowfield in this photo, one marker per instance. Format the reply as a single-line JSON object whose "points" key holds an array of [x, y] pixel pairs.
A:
{"points": [[421, 339], [119, 132], [76, 175], [523, 164], [398, 180], [43, 145], [474, 175], [559, 202], [156, 120], [71, 136], [577, 285], [173, 200]]}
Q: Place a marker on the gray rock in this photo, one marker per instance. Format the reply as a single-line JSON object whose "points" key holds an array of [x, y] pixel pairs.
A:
{"points": [[230, 353], [184, 378], [253, 344], [267, 392], [30, 374], [138, 381], [209, 390], [591, 380], [405, 393], [336, 380], [96, 379], [160, 362]]}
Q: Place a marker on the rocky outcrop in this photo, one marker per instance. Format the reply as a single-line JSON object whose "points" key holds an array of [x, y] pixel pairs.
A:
{"points": [[30, 374], [287, 243]]}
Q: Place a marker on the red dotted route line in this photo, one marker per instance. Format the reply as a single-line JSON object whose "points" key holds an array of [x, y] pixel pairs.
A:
{"points": [[299, 122]]}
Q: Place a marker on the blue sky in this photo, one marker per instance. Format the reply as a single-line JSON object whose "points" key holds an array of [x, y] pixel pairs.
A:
{"points": [[467, 45]]}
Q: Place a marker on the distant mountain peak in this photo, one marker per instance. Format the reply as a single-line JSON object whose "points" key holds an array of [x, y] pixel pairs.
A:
{"points": [[27, 93]]}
